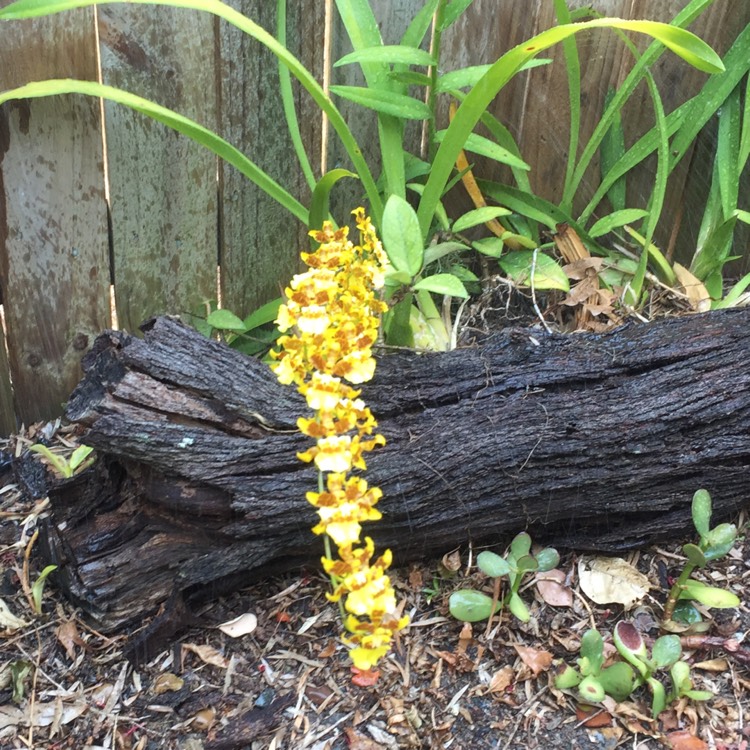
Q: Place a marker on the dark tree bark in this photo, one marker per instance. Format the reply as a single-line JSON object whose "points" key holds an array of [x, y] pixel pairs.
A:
{"points": [[592, 441]]}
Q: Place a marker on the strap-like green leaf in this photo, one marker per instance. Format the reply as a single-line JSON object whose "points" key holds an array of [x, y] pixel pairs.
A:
{"points": [[388, 54], [387, 102]]}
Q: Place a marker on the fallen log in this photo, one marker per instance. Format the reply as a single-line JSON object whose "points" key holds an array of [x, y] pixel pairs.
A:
{"points": [[592, 441]]}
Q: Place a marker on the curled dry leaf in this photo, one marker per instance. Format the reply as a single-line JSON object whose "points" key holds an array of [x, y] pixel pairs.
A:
{"points": [[611, 580], [593, 716], [167, 683], [8, 620], [359, 741], [204, 719], [502, 679], [535, 659], [551, 587], [239, 626], [208, 654], [68, 636], [450, 564]]}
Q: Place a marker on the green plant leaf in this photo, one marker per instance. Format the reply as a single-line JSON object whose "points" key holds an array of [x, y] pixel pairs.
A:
{"points": [[611, 150], [225, 320], [79, 455], [477, 144], [493, 247], [734, 294], [709, 595], [719, 541], [388, 102], [59, 464], [401, 236], [616, 219], [321, 196], [631, 646], [698, 695], [492, 565], [545, 273], [685, 613], [547, 559], [568, 678], [517, 606], [388, 54], [658, 696], [453, 11], [443, 283], [441, 249], [701, 512], [173, 120], [478, 216], [591, 690], [37, 588], [680, 674], [469, 76], [618, 680], [592, 649], [520, 545], [694, 555], [264, 314], [470, 606], [666, 651]]}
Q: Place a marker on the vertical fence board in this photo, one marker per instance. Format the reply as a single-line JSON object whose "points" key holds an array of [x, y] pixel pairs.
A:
{"points": [[393, 17], [260, 239], [7, 408], [162, 185], [53, 234], [535, 105]]}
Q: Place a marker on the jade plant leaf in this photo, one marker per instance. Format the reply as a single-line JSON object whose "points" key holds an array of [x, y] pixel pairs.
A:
{"points": [[666, 651], [592, 649], [493, 565], [701, 511], [547, 559], [518, 608], [719, 540], [470, 606], [709, 595], [591, 690], [694, 555], [618, 680], [521, 545]]}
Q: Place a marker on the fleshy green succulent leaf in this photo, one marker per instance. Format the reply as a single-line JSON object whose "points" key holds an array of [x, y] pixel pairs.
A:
{"points": [[719, 541], [666, 651], [659, 696], [492, 565], [694, 555], [592, 649], [698, 695], [630, 644], [701, 510], [37, 589], [518, 608], [526, 564], [591, 690], [521, 545], [680, 674], [618, 680], [527, 268], [686, 613], [470, 606], [567, 678], [547, 559], [709, 595]]}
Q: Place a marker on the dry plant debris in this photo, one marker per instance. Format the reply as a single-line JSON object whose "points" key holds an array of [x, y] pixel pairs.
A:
{"points": [[268, 670]]}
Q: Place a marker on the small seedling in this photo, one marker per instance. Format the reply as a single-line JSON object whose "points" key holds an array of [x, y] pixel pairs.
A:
{"points": [[665, 654], [37, 588], [714, 544], [471, 606], [593, 680], [78, 461]]}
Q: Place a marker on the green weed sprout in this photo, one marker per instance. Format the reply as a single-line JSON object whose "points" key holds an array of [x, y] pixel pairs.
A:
{"points": [[37, 589], [713, 545], [593, 680], [471, 606], [66, 468], [666, 653]]}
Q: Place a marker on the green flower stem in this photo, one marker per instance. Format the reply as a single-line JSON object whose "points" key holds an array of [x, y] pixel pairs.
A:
{"points": [[335, 580]]}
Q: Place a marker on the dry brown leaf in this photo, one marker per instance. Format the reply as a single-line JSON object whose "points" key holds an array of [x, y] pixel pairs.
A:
{"points": [[713, 665], [683, 740], [207, 654], [579, 269], [416, 579], [611, 580], [68, 636], [167, 683], [451, 562], [358, 741], [693, 288], [502, 679], [204, 719], [593, 716], [551, 587], [8, 620], [535, 659], [242, 625]]}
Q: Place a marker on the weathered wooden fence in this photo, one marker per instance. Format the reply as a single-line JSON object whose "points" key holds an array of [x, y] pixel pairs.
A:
{"points": [[94, 197]]}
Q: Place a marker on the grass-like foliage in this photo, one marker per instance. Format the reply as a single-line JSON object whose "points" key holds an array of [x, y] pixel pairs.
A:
{"points": [[391, 72]]}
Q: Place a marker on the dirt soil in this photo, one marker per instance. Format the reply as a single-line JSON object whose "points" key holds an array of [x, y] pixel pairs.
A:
{"points": [[288, 683]]}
